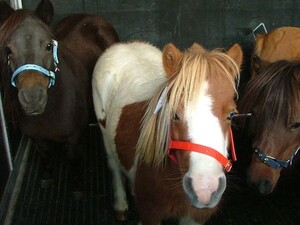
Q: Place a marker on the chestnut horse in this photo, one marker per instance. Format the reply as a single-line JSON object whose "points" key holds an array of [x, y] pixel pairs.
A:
{"points": [[46, 82], [279, 44], [151, 105], [273, 97]]}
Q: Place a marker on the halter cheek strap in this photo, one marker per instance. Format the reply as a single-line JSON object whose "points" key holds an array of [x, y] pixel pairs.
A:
{"points": [[275, 163], [38, 68], [189, 146]]}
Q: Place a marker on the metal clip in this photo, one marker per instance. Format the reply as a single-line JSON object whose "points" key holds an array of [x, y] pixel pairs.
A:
{"points": [[256, 28]]}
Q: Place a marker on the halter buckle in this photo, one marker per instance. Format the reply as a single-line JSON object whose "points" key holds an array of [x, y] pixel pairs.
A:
{"points": [[228, 166]]}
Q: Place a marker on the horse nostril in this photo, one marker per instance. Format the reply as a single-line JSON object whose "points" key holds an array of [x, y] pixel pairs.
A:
{"points": [[205, 192], [265, 187], [25, 97], [41, 94]]}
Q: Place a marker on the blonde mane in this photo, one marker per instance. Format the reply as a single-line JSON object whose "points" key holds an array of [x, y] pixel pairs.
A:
{"points": [[185, 87]]}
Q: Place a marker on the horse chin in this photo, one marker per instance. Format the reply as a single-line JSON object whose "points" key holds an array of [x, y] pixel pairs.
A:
{"points": [[196, 201], [34, 113]]}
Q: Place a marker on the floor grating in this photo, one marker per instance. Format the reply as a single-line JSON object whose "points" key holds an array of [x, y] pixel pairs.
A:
{"points": [[55, 206]]}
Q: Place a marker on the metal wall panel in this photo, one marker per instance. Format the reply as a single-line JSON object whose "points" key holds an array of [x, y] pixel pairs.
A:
{"points": [[214, 23]]}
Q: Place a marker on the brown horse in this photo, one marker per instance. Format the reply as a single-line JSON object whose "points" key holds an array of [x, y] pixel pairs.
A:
{"points": [[279, 44], [185, 101], [273, 97], [46, 76]]}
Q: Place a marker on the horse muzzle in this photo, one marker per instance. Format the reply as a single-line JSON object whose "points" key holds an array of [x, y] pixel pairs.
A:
{"points": [[262, 177], [204, 192], [33, 100]]}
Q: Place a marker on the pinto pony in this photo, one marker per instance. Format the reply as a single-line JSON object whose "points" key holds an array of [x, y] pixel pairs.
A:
{"points": [[273, 97], [46, 82], [165, 119]]}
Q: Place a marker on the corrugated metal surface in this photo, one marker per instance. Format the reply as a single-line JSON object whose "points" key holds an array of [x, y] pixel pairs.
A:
{"points": [[214, 23], [55, 205]]}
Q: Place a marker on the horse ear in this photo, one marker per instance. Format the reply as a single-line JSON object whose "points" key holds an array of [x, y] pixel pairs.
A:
{"points": [[45, 11], [5, 12], [171, 57], [236, 53], [258, 44]]}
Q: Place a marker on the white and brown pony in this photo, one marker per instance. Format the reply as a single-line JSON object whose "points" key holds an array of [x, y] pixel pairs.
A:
{"points": [[165, 118]]}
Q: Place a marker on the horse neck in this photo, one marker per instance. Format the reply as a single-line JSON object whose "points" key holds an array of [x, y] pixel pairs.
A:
{"points": [[88, 54]]}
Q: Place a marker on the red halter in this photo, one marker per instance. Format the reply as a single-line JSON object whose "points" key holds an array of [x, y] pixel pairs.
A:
{"points": [[189, 146]]}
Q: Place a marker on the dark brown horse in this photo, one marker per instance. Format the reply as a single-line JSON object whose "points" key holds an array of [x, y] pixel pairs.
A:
{"points": [[46, 76], [273, 98]]}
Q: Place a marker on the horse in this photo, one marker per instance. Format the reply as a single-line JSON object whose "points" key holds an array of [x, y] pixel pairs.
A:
{"points": [[46, 81], [279, 44], [273, 97], [165, 117]]}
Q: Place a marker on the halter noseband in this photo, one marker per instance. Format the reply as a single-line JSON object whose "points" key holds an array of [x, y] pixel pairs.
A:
{"points": [[189, 146], [275, 163], [41, 69]]}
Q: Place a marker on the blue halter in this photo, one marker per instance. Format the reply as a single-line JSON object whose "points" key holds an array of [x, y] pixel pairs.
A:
{"points": [[275, 163], [41, 69]]}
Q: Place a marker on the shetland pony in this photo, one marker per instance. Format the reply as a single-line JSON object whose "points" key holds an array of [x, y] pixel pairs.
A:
{"points": [[165, 118], [272, 96], [46, 82]]}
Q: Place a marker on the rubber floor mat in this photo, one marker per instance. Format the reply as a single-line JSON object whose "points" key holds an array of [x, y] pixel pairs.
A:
{"points": [[55, 205]]}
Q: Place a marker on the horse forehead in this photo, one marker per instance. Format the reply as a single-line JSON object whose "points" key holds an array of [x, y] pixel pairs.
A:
{"points": [[282, 43], [213, 100], [29, 30], [221, 91]]}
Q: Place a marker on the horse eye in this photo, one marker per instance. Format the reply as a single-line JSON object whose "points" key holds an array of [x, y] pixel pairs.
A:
{"points": [[176, 117], [49, 47], [231, 115], [294, 126], [8, 52]]}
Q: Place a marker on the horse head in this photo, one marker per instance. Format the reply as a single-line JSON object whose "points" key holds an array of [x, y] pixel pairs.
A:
{"points": [[194, 109], [30, 55], [273, 98]]}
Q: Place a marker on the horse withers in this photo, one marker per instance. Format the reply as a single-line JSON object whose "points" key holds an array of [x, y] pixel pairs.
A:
{"points": [[46, 82], [273, 97], [165, 120]]}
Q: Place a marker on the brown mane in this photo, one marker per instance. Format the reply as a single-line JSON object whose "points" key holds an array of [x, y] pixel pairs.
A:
{"points": [[277, 88]]}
